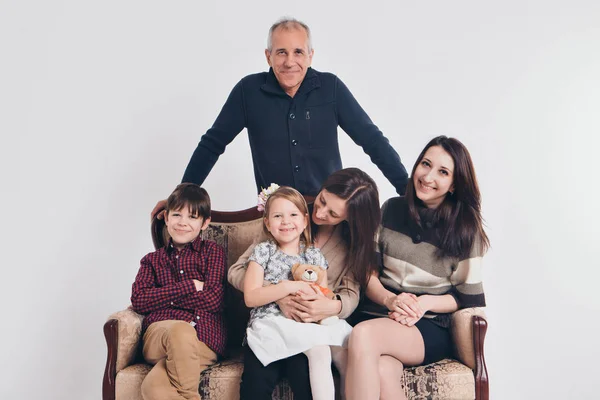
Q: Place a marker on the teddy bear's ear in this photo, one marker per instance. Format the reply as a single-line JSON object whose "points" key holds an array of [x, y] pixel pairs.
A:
{"points": [[294, 267], [322, 267]]}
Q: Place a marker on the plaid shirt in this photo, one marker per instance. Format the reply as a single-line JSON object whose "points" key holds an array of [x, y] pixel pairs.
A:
{"points": [[164, 289]]}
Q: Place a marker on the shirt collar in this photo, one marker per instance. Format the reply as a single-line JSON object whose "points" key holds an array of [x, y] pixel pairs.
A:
{"points": [[195, 245], [311, 81]]}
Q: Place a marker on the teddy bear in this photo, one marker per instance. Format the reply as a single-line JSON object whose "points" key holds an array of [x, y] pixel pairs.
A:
{"points": [[317, 276]]}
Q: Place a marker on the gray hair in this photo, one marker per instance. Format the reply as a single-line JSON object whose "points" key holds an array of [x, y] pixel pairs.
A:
{"points": [[288, 23]]}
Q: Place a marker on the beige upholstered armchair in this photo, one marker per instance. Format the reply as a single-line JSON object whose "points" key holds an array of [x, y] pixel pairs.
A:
{"points": [[464, 377]]}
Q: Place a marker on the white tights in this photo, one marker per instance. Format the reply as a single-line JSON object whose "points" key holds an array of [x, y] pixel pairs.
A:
{"points": [[319, 370], [340, 360]]}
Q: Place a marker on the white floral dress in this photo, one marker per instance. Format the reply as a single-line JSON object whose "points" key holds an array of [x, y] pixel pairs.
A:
{"points": [[271, 335]]}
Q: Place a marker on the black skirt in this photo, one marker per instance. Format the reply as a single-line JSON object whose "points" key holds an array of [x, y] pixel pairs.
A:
{"points": [[437, 339]]}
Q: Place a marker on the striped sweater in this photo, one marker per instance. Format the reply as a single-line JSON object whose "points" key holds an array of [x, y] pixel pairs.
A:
{"points": [[410, 261]]}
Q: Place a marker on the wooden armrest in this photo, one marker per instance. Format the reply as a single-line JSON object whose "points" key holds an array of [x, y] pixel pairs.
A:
{"points": [[122, 331], [482, 389], [469, 327]]}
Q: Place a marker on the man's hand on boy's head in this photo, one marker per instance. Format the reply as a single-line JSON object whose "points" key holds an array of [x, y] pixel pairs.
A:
{"points": [[158, 207], [199, 285]]}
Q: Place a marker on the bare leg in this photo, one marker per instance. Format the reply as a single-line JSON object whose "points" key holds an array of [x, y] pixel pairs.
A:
{"points": [[340, 360], [390, 376], [319, 369], [368, 342]]}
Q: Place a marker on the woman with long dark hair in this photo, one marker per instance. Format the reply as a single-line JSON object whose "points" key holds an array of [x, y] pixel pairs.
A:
{"points": [[430, 245], [345, 216]]}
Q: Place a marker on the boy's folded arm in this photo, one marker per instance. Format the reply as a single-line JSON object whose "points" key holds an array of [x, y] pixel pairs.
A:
{"points": [[211, 297], [146, 297]]}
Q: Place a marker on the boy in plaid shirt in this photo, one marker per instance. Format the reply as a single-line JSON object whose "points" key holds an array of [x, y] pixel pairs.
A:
{"points": [[180, 289]]}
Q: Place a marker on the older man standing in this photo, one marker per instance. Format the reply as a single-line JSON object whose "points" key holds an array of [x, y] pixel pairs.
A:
{"points": [[292, 113]]}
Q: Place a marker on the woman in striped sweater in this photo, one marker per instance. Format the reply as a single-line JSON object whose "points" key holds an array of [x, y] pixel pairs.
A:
{"points": [[430, 245]]}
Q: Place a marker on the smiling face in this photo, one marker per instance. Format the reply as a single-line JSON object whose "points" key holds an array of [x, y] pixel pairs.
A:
{"points": [[184, 226], [329, 209], [285, 222], [433, 177], [289, 57]]}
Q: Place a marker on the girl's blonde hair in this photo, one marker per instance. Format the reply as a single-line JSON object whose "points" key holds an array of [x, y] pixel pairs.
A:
{"points": [[290, 194]]}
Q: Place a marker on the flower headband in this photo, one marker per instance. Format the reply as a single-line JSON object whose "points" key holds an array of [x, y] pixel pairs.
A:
{"points": [[264, 195]]}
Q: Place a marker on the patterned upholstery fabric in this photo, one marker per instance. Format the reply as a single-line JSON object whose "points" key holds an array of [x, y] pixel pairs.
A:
{"points": [[235, 239], [130, 328], [129, 382], [447, 379]]}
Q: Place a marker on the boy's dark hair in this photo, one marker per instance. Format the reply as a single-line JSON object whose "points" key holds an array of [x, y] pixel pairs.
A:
{"points": [[192, 195]]}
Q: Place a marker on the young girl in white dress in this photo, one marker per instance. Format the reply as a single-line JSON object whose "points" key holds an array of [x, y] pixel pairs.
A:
{"points": [[270, 335]]}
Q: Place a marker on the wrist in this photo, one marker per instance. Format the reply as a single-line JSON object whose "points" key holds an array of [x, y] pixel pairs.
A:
{"points": [[336, 306], [339, 305], [290, 287], [388, 299], [425, 302], [333, 309]]}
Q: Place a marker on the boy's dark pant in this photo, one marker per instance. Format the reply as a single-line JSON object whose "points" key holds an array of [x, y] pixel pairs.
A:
{"points": [[259, 381]]}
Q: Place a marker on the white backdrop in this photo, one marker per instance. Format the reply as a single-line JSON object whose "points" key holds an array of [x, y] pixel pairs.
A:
{"points": [[106, 101]]}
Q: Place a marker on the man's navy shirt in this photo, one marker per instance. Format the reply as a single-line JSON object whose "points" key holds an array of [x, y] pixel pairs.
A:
{"points": [[294, 140]]}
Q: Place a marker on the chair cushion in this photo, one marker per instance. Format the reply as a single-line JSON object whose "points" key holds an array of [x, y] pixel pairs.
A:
{"points": [[446, 379], [129, 382]]}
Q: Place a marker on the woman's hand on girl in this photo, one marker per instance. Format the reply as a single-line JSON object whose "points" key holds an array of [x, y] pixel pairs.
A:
{"points": [[315, 307], [293, 307], [289, 307]]}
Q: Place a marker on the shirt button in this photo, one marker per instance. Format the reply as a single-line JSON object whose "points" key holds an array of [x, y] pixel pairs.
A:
{"points": [[297, 168], [177, 256], [181, 271], [294, 142], [197, 317], [171, 303], [292, 115]]}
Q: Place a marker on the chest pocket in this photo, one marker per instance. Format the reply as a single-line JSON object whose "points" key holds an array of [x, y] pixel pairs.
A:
{"points": [[322, 126]]}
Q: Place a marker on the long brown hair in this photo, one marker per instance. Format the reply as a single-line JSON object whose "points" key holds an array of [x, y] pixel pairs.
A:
{"points": [[292, 195], [459, 215], [363, 215]]}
